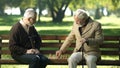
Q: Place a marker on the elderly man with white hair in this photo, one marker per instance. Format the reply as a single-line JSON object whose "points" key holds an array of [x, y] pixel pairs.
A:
{"points": [[88, 36], [25, 42]]}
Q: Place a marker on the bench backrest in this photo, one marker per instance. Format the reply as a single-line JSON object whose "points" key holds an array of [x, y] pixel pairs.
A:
{"points": [[110, 48]]}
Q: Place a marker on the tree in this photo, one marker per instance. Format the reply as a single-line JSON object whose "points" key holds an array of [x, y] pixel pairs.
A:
{"points": [[57, 9], [14, 3], [75, 4], [115, 3], [10, 3], [27, 4], [41, 4], [2, 6]]}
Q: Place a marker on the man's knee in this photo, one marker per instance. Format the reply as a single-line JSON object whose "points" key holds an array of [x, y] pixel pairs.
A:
{"points": [[71, 59], [91, 59]]}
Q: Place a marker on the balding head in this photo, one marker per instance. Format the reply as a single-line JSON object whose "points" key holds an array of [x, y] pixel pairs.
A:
{"points": [[81, 14], [29, 17], [29, 13]]}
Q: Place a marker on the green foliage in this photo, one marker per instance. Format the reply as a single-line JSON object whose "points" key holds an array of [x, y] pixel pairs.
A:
{"points": [[115, 3], [14, 3], [9, 20], [28, 3], [92, 4], [75, 4]]}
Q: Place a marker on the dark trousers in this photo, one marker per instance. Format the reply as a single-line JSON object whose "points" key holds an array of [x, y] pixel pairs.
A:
{"points": [[35, 61]]}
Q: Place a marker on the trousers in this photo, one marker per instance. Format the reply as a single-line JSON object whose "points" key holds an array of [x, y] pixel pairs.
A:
{"points": [[77, 57], [34, 60]]}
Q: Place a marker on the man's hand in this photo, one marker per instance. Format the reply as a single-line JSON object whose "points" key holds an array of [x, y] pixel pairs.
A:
{"points": [[83, 40], [32, 51], [29, 51], [36, 51], [58, 53]]}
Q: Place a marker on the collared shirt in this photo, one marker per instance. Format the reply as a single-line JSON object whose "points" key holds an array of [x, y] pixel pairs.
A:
{"points": [[25, 26]]}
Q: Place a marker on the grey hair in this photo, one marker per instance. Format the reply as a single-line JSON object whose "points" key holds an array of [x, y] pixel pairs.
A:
{"points": [[81, 14], [29, 13]]}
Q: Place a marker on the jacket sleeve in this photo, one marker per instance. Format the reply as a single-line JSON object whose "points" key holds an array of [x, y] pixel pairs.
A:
{"points": [[37, 39], [68, 41], [98, 38]]}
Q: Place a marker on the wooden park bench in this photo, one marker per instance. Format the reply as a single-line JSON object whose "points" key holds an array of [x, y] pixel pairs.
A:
{"points": [[110, 48]]}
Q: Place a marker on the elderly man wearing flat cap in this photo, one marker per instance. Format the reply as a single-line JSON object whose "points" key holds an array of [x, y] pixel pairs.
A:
{"points": [[25, 42], [88, 36]]}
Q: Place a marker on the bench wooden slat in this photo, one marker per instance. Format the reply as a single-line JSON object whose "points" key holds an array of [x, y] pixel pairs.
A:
{"points": [[43, 45], [109, 62], [112, 38], [64, 62], [110, 47], [50, 37], [105, 45], [67, 52]]}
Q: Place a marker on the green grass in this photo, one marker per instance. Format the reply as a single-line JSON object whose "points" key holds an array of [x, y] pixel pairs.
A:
{"points": [[110, 25], [47, 27]]}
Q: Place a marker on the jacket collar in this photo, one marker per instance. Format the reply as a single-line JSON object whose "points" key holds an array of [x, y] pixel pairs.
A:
{"points": [[88, 26]]}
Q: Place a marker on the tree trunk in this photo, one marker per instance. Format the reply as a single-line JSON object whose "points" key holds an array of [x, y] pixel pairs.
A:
{"points": [[59, 16], [97, 13], [39, 14]]}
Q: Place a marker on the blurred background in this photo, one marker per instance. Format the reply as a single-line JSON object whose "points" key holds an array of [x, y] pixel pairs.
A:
{"points": [[58, 13], [58, 9], [55, 17]]}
